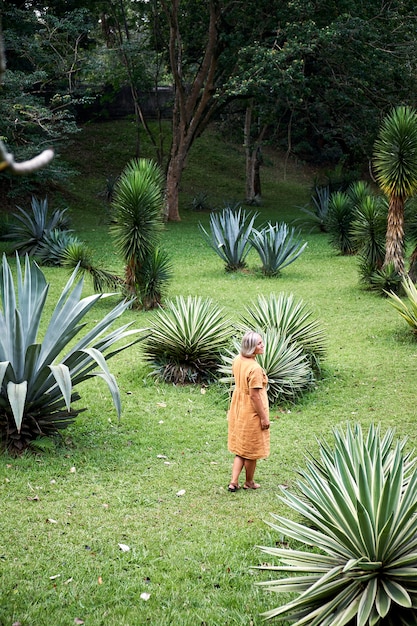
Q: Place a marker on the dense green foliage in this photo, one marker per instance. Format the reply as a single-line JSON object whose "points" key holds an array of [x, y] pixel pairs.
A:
{"points": [[359, 501], [278, 245]]}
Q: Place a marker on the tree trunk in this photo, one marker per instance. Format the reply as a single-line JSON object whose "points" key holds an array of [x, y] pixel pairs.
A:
{"points": [[194, 102], [253, 153], [394, 250]]}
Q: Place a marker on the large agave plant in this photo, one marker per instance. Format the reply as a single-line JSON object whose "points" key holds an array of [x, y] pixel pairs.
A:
{"points": [[37, 379], [360, 567], [229, 236], [288, 370], [291, 318], [186, 340], [278, 245]]}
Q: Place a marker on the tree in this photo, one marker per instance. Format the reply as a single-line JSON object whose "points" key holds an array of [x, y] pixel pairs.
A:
{"points": [[395, 164]]}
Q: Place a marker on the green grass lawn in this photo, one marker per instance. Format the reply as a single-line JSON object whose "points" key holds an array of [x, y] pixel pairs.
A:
{"points": [[67, 511]]}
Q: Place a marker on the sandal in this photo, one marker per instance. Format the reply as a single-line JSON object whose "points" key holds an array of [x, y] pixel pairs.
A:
{"points": [[233, 487], [251, 485]]}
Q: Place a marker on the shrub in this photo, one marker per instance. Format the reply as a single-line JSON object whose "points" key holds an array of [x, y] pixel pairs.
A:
{"points": [[385, 280], [186, 340], [37, 380], [292, 319], [153, 277], [317, 216], [287, 367], [278, 245], [229, 236], [359, 501], [368, 234]]}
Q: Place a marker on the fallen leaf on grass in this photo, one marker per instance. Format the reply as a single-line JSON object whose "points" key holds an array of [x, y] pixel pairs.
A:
{"points": [[55, 576], [34, 498], [161, 456], [161, 404], [51, 521], [123, 547], [100, 580], [78, 621], [72, 471], [181, 492], [145, 596]]}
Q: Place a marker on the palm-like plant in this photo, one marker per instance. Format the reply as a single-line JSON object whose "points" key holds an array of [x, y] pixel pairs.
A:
{"points": [[186, 340], [278, 245], [317, 216], [291, 318], [137, 204], [395, 164], [37, 380], [229, 236], [33, 226], [368, 233], [287, 367], [360, 502], [153, 278], [339, 221], [78, 256]]}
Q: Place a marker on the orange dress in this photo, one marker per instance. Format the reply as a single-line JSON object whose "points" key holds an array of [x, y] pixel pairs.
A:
{"points": [[245, 436]]}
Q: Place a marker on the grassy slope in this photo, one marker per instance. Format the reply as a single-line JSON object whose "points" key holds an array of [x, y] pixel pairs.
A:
{"points": [[66, 512]]}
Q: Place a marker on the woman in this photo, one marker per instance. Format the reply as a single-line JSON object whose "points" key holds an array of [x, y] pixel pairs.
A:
{"points": [[249, 422]]}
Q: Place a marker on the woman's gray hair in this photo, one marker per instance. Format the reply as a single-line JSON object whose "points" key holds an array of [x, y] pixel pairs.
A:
{"points": [[249, 342]]}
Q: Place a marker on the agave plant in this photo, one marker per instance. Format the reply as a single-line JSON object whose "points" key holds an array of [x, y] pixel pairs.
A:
{"points": [[359, 501], [278, 245], [408, 311], [229, 236], [288, 370], [291, 318], [52, 247], [386, 280], [138, 203], [32, 226], [317, 216], [186, 340], [37, 379]]}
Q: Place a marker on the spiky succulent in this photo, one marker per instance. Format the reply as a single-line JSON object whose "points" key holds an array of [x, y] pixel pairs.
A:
{"points": [[38, 377]]}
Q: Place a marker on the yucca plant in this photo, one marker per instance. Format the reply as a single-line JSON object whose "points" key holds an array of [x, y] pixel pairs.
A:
{"points": [[229, 236], [153, 277], [368, 231], [395, 165], [138, 217], [339, 221], [37, 378], [33, 226], [186, 339], [292, 318], [278, 245], [358, 505], [386, 280], [407, 310], [77, 255], [287, 367]]}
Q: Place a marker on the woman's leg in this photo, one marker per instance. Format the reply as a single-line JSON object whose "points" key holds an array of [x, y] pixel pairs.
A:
{"points": [[237, 467], [250, 467]]}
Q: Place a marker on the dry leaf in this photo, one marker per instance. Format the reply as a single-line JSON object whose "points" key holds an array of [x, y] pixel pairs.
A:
{"points": [[34, 498], [78, 621], [145, 596], [66, 582], [161, 404], [51, 521], [100, 580], [203, 390], [54, 577], [123, 547], [73, 470], [181, 492], [161, 456]]}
